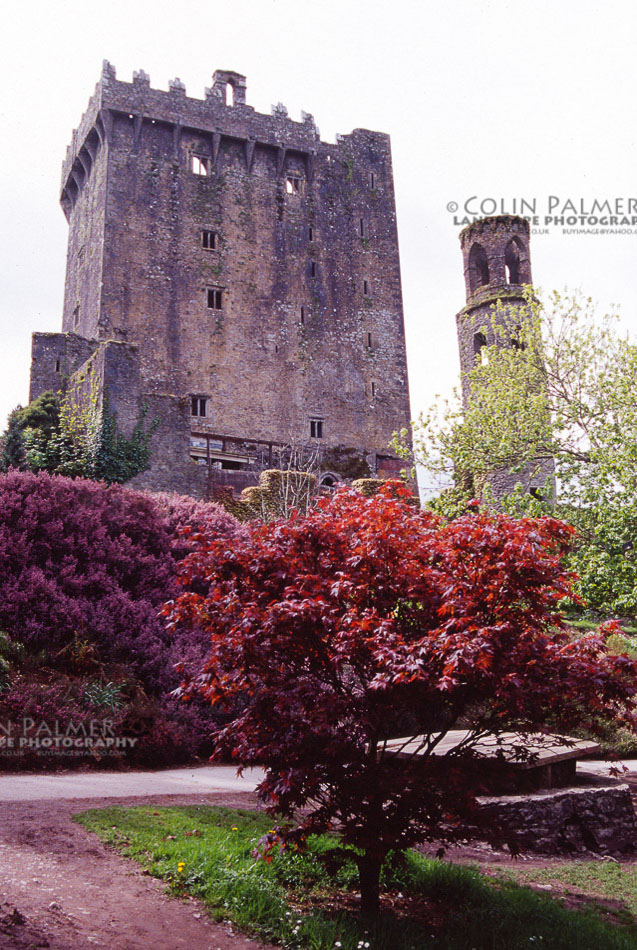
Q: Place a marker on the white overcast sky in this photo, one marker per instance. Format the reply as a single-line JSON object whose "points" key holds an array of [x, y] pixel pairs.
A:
{"points": [[493, 99]]}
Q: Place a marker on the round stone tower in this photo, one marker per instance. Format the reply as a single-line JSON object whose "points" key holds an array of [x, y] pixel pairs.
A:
{"points": [[497, 266]]}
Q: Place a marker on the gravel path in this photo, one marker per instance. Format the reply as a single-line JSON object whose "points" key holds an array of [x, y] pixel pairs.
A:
{"points": [[198, 780]]}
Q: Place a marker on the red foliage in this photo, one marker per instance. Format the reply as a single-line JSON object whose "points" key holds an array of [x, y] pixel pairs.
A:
{"points": [[368, 618]]}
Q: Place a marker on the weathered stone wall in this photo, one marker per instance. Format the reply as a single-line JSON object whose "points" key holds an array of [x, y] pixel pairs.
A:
{"points": [[84, 201], [107, 377], [591, 818], [114, 374], [54, 358], [310, 325], [171, 467]]}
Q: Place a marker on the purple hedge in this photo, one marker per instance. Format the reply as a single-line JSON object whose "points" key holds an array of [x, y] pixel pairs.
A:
{"points": [[84, 570]]}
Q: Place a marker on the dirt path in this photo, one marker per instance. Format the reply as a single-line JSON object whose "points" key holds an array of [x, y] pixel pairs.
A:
{"points": [[61, 888]]}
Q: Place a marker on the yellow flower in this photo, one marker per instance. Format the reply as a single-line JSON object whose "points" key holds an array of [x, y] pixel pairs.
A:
{"points": [[181, 866], [235, 828]]}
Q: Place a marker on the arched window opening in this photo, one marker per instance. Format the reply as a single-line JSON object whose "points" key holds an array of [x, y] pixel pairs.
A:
{"points": [[512, 262], [229, 94], [480, 349], [478, 267]]}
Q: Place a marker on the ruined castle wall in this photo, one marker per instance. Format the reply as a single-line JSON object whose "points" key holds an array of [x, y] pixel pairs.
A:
{"points": [[110, 381], [487, 281], [497, 270], [55, 357]]}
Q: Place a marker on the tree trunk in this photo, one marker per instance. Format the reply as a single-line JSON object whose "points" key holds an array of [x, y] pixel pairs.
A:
{"points": [[369, 875]]}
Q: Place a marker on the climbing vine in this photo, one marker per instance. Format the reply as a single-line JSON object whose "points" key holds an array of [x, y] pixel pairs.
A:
{"points": [[74, 434]]}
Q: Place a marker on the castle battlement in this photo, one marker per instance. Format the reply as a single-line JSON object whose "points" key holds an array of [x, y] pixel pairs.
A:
{"points": [[222, 114]]}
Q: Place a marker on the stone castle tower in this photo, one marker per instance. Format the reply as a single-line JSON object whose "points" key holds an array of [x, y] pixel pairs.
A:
{"points": [[497, 267], [234, 274]]}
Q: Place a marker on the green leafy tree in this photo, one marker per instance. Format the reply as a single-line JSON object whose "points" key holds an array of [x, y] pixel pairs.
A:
{"points": [[41, 416], [66, 435], [555, 384]]}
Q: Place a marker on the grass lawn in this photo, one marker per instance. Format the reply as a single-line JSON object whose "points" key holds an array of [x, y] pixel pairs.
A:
{"points": [[293, 901], [613, 885]]}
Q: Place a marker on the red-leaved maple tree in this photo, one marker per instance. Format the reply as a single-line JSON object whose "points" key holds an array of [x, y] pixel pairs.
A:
{"points": [[368, 619]]}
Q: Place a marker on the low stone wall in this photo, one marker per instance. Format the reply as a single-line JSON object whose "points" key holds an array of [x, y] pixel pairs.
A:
{"points": [[598, 818]]}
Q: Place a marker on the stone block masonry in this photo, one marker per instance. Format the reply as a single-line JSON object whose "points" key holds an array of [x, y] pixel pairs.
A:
{"points": [[590, 818], [254, 266]]}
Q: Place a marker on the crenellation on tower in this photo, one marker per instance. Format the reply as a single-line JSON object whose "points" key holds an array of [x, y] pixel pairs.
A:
{"points": [[176, 87], [255, 267], [230, 87], [141, 78]]}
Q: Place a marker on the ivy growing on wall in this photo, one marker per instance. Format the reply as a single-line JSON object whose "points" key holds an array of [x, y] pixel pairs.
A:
{"points": [[72, 434]]}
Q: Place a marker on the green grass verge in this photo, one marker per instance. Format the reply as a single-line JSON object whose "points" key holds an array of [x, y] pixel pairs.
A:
{"points": [[591, 625], [292, 901], [605, 880]]}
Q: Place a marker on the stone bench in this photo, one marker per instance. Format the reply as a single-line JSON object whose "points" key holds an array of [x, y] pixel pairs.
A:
{"points": [[513, 761]]}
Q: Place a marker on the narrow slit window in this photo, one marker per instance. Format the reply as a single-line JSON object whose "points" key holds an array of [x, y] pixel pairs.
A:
{"points": [[302, 315], [362, 228], [57, 366], [198, 406], [199, 165], [370, 341], [316, 428], [310, 233], [313, 269], [372, 180], [373, 389], [366, 287], [76, 315], [209, 240], [214, 298]]}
